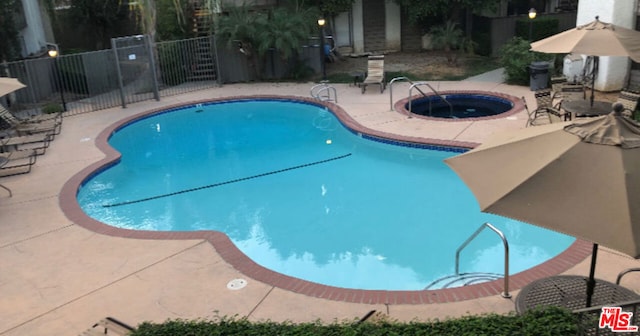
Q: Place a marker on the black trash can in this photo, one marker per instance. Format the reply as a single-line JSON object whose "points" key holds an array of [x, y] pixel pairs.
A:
{"points": [[538, 75]]}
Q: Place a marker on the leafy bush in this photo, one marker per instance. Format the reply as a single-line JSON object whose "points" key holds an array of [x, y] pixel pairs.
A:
{"points": [[547, 321], [52, 108], [515, 58]]}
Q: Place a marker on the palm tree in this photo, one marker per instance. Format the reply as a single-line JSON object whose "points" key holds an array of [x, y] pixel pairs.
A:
{"points": [[239, 30], [284, 31], [451, 39]]}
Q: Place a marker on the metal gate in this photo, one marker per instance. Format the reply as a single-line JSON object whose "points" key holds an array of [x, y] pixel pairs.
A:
{"points": [[135, 65]]}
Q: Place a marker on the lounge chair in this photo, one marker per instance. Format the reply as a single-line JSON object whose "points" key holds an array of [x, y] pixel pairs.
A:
{"points": [[21, 127], [544, 113], [375, 73], [629, 101], [37, 142], [17, 162], [568, 92]]}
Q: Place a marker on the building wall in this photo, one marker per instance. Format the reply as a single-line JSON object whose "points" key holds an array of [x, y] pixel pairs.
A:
{"points": [[614, 71], [358, 28], [393, 26], [33, 35]]}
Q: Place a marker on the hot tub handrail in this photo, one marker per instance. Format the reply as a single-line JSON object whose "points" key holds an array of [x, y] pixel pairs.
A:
{"points": [[415, 85], [504, 294], [396, 79]]}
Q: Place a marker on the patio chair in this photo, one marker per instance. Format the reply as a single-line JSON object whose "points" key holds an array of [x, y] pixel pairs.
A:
{"points": [[375, 73], [52, 126], [556, 83], [629, 101], [569, 91], [544, 113], [37, 142], [17, 162]]}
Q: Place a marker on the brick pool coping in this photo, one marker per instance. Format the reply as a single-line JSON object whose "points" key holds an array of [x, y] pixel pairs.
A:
{"points": [[577, 252]]}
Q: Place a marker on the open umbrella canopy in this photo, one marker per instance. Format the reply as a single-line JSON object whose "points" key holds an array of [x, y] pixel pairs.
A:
{"points": [[581, 179], [596, 38], [8, 85]]}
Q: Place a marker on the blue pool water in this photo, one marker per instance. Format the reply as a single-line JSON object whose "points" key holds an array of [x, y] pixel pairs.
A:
{"points": [[300, 194], [462, 106]]}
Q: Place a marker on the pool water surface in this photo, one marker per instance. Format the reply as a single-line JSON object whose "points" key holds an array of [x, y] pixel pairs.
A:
{"points": [[302, 195]]}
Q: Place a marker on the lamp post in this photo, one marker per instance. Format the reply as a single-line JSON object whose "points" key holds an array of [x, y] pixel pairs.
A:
{"points": [[532, 15], [53, 53], [321, 23]]}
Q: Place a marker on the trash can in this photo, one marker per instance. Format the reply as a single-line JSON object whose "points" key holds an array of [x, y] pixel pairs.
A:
{"points": [[538, 75]]}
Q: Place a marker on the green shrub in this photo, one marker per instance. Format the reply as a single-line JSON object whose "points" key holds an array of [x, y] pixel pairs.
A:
{"points": [[547, 321], [515, 58], [52, 108]]}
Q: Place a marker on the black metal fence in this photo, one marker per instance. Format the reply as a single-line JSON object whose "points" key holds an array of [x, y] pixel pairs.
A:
{"points": [[135, 70]]}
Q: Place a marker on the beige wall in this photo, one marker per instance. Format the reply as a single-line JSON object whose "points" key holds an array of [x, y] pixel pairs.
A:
{"points": [[613, 74]]}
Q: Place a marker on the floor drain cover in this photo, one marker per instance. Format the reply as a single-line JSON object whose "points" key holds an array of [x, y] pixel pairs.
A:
{"points": [[236, 284]]}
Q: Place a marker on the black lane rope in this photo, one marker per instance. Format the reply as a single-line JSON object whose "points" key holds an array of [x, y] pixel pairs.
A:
{"points": [[227, 182]]}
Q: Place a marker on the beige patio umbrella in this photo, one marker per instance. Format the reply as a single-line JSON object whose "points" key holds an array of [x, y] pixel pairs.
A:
{"points": [[581, 179], [596, 38], [8, 85]]}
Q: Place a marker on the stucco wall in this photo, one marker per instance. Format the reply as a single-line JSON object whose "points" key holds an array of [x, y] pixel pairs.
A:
{"points": [[358, 26], [33, 35], [393, 26], [613, 70]]}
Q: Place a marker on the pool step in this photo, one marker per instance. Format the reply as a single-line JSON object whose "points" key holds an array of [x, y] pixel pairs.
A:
{"points": [[463, 279]]}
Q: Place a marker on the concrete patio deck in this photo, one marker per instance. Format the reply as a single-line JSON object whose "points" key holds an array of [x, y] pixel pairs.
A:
{"points": [[59, 278]]}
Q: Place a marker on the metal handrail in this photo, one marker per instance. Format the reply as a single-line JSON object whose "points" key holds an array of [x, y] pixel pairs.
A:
{"points": [[628, 270], [317, 89], [415, 85], [504, 294], [391, 90]]}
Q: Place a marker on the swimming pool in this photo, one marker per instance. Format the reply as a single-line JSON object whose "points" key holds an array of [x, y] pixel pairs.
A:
{"points": [[278, 183]]}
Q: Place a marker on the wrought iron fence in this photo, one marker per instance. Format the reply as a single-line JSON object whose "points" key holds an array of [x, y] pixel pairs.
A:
{"points": [[131, 71], [135, 70]]}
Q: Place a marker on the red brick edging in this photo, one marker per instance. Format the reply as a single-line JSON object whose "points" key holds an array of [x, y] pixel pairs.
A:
{"points": [[578, 251]]}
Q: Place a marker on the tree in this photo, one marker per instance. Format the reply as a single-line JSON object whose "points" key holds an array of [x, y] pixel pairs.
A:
{"points": [[448, 9], [100, 15], [239, 29], [451, 39], [9, 42]]}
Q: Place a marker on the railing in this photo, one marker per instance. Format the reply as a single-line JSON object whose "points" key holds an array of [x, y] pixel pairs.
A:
{"points": [[505, 293], [415, 85], [628, 270], [396, 79], [323, 92]]}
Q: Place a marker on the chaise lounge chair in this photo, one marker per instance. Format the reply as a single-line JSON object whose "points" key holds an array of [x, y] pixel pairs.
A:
{"points": [[37, 142], [22, 127], [375, 73], [17, 162]]}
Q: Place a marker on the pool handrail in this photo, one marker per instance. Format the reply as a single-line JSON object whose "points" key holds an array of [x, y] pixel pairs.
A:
{"points": [[505, 293], [317, 89], [415, 85], [396, 79]]}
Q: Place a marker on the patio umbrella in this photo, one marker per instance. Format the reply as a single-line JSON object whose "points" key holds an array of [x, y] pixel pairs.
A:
{"points": [[596, 38], [8, 85], [581, 179]]}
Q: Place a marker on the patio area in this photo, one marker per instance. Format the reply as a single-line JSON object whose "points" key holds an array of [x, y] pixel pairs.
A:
{"points": [[60, 278]]}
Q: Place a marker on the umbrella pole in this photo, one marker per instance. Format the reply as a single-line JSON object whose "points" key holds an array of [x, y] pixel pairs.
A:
{"points": [[591, 282], [596, 65]]}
